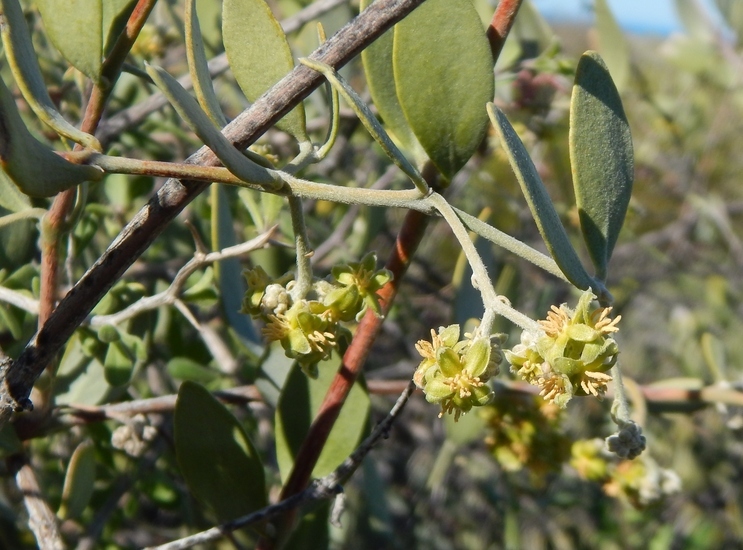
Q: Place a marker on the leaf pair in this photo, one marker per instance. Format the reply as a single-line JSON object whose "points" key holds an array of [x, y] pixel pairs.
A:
{"points": [[602, 164], [430, 79]]}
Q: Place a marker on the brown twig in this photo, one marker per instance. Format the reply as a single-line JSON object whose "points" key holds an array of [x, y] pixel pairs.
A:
{"points": [[500, 25], [137, 236]]}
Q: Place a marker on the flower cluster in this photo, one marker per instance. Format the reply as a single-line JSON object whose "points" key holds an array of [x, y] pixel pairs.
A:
{"points": [[641, 482], [571, 354], [524, 433], [309, 329], [454, 373]]}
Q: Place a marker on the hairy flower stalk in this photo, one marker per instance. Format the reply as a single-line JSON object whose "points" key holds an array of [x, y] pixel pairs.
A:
{"points": [[571, 354]]}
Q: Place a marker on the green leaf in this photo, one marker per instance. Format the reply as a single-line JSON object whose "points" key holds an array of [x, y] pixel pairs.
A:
{"points": [[229, 271], [78, 483], [75, 29], [601, 158], [10, 197], [25, 68], [299, 402], [377, 60], [259, 55], [449, 117], [190, 111], [215, 455], [198, 67], [118, 364], [80, 378], [540, 204], [184, 368], [614, 47], [34, 167], [80, 29]]}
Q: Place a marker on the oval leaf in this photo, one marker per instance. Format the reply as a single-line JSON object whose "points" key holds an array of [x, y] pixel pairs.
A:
{"points": [[25, 67], [259, 55], [442, 84], [215, 455], [299, 402], [34, 167], [540, 204], [118, 364], [78, 482], [601, 158], [74, 27], [377, 60]]}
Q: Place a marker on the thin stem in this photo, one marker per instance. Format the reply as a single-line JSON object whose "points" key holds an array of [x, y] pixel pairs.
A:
{"points": [[490, 299], [41, 519], [304, 251]]}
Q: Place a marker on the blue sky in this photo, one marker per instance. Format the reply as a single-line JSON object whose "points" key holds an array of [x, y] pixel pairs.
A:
{"points": [[642, 16]]}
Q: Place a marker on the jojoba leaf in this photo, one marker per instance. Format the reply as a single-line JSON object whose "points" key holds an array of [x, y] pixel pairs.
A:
{"points": [[259, 54], [601, 158], [75, 29], [190, 111], [118, 364], [34, 167], [298, 404], [377, 59], [443, 71], [25, 68], [215, 455], [78, 483], [199, 69], [540, 204]]}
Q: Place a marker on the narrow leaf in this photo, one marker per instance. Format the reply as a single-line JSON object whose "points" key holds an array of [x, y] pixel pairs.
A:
{"points": [[377, 60], [190, 111], [299, 402], [614, 46], [78, 483], [199, 69], [25, 68], [259, 55], [444, 84], [34, 167], [601, 158], [215, 455], [540, 204]]}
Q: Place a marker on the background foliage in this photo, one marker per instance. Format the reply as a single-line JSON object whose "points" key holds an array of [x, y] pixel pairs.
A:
{"points": [[675, 278]]}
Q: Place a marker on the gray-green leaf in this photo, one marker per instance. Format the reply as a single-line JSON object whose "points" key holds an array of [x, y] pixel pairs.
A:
{"points": [[540, 204], [601, 158], [215, 455], [299, 402], [443, 71], [259, 54]]}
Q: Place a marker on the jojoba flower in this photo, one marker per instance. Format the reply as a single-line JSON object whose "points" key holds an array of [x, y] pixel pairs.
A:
{"points": [[454, 373], [367, 281], [572, 353]]}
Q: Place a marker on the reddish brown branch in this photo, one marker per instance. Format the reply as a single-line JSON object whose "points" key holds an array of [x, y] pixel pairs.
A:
{"points": [[500, 25]]}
